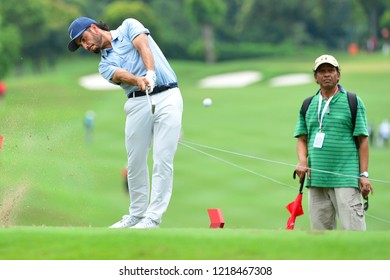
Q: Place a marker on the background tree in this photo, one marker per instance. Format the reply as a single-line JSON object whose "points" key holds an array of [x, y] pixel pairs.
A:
{"points": [[385, 20], [177, 34], [10, 43], [334, 23], [208, 14], [30, 17], [275, 21], [374, 9], [42, 26], [117, 12], [56, 41], [385, 32], [92, 8], [189, 29]]}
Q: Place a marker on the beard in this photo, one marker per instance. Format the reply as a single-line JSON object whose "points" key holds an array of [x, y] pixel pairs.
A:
{"points": [[98, 41]]}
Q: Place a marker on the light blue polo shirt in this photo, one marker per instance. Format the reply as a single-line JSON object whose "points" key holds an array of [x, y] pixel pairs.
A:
{"points": [[124, 55]]}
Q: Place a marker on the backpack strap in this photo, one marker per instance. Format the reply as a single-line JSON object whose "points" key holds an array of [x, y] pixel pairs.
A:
{"points": [[305, 106], [352, 101]]}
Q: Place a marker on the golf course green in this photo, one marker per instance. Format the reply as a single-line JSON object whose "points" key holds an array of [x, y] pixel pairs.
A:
{"points": [[60, 192]]}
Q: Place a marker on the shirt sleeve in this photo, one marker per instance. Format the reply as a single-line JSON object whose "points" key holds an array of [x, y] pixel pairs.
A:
{"points": [[132, 28], [107, 71], [300, 127], [361, 127]]}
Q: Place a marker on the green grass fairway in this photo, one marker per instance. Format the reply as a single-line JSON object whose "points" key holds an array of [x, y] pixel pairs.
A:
{"points": [[58, 194], [189, 244]]}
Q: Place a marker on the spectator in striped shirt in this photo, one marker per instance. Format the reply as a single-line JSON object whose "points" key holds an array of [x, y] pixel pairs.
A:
{"points": [[336, 169]]}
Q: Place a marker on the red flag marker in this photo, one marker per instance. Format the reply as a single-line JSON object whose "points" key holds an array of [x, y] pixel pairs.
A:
{"points": [[216, 218], [1, 141], [295, 208]]}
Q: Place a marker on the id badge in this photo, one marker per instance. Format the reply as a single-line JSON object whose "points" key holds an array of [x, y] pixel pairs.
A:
{"points": [[319, 140]]}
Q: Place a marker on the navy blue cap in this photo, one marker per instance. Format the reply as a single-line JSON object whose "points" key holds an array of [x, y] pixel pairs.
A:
{"points": [[76, 28]]}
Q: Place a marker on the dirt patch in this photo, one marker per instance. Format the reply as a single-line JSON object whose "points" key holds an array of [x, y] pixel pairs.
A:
{"points": [[228, 80], [231, 80], [9, 203], [291, 80], [97, 82]]}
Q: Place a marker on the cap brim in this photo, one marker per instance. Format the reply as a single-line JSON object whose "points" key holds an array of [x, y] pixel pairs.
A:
{"points": [[327, 62], [72, 46]]}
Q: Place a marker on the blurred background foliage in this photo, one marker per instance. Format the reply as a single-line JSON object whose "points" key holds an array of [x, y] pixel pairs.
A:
{"points": [[34, 32]]}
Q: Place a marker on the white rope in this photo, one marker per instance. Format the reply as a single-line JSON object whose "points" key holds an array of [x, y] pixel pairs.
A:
{"points": [[235, 165], [188, 145], [277, 162], [378, 219]]}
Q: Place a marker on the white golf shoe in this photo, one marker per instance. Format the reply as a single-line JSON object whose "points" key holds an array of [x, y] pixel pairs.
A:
{"points": [[146, 223], [126, 222]]}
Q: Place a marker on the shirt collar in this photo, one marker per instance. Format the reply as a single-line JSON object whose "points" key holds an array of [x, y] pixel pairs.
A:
{"points": [[115, 36], [341, 89]]}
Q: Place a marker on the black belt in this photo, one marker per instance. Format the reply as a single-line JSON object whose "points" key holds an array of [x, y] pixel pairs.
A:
{"points": [[156, 90]]}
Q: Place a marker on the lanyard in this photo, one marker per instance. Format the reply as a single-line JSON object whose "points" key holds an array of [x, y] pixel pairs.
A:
{"points": [[321, 115]]}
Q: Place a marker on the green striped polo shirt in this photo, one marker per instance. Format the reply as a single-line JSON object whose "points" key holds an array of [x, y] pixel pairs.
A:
{"points": [[338, 153]]}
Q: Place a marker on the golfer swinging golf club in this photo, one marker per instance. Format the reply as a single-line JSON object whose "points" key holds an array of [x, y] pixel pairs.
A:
{"points": [[131, 59]]}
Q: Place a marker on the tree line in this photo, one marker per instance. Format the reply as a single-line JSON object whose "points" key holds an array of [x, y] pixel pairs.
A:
{"points": [[35, 31]]}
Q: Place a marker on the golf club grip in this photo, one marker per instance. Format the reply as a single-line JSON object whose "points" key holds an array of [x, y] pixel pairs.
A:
{"points": [[301, 181]]}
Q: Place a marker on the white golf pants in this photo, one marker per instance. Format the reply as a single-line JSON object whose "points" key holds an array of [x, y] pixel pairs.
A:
{"points": [[159, 131]]}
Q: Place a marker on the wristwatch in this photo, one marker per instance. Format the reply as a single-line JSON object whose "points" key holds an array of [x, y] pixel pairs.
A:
{"points": [[364, 174]]}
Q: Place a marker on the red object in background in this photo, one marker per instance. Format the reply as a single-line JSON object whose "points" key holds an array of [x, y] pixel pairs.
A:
{"points": [[353, 49], [1, 141], [216, 218], [295, 208], [385, 33], [3, 88]]}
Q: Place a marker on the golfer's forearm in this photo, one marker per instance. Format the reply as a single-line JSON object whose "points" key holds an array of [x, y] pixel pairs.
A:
{"points": [[147, 58], [142, 45], [122, 76]]}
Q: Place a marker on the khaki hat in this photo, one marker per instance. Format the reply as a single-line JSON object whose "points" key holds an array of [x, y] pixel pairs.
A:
{"points": [[325, 59]]}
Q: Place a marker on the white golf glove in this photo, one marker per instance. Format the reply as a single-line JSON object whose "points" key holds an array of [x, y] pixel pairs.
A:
{"points": [[151, 77]]}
